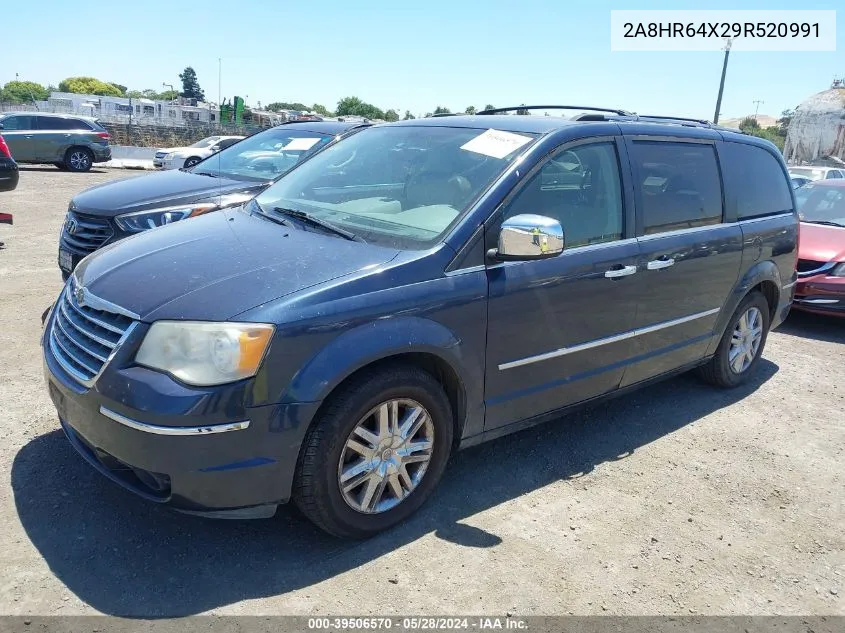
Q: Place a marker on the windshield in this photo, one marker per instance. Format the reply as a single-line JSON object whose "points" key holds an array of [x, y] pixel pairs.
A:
{"points": [[820, 203], [264, 156], [806, 173], [206, 142], [399, 186]]}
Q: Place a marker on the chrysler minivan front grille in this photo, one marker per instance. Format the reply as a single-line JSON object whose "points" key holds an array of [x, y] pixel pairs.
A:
{"points": [[83, 337]]}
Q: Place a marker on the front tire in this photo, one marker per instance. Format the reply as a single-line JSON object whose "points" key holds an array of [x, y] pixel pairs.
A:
{"points": [[375, 453], [741, 347], [190, 162], [79, 159]]}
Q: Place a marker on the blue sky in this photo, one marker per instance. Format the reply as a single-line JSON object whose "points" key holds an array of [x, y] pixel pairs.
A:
{"points": [[452, 53]]}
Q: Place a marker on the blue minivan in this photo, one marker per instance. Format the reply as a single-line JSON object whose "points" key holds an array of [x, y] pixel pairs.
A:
{"points": [[416, 288]]}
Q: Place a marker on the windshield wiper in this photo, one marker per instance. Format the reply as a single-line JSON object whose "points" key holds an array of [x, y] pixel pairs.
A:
{"points": [[203, 173], [825, 223], [307, 218]]}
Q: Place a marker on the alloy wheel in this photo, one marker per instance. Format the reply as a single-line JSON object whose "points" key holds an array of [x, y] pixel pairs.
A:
{"points": [[386, 456], [745, 342]]}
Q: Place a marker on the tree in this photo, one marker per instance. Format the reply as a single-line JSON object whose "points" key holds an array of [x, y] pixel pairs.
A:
{"points": [[489, 107], [353, 106], [470, 110], [89, 86], [276, 106], [23, 92], [408, 116], [320, 109], [391, 115], [442, 110], [749, 125], [190, 86], [122, 89]]}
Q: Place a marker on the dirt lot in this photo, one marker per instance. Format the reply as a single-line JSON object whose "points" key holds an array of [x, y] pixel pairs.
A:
{"points": [[681, 499]]}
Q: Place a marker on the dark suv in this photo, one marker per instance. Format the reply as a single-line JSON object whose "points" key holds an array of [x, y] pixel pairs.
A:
{"points": [[419, 287], [111, 211], [67, 141]]}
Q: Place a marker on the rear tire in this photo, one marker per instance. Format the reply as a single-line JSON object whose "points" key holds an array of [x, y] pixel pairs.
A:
{"points": [[356, 477], [79, 159], [742, 344]]}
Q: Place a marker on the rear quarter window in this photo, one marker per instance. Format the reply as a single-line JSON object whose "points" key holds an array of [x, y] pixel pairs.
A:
{"points": [[755, 183]]}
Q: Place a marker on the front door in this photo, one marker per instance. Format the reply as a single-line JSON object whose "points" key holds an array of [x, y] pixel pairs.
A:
{"points": [[557, 327], [689, 256]]}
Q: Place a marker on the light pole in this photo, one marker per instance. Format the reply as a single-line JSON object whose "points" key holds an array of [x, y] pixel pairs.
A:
{"points": [[722, 82], [164, 85], [757, 108]]}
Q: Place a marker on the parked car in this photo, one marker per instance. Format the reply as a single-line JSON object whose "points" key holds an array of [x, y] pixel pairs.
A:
{"points": [[799, 181], [67, 141], [821, 254], [179, 157], [818, 173], [417, 288], [8, 168], [109, 212]]}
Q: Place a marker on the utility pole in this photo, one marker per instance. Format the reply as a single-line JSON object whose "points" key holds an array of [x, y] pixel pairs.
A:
{"points": [[722, 82], [757, 107], [220, 90], [164, 85]]}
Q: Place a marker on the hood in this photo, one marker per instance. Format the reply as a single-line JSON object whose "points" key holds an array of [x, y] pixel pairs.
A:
{"points": [[218, 265], [159, 189], [821, 243]]}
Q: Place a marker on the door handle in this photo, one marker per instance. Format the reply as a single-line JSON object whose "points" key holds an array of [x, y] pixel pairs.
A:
{"points": [[657, 264], [615, 273]]}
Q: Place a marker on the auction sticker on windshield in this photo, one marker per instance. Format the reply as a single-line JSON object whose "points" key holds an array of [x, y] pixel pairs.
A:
{"points": [[302, 144], [496, 143]]}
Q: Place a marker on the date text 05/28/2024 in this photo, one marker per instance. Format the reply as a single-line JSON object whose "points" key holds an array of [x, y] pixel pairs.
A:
{"points": [[417, 624]]}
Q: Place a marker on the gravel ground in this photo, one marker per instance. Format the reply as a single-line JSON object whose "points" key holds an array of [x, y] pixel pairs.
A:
{"points": [[679, 499]]}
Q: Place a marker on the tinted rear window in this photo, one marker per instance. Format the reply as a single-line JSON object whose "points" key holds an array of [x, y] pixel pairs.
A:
{"points": [[754, 181], [678, 185]]}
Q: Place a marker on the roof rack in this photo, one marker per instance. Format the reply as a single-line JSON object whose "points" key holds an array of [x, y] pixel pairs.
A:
{"points": [[555, 107], [445, 114], [673, 118]]}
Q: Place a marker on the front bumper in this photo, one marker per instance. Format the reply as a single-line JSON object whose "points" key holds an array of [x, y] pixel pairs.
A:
{"points": [[821, 295], [166, 442]]}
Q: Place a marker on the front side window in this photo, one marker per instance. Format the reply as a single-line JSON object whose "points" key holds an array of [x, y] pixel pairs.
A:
{"points": [[822, 204], [580, 188], [678, 185], [21, 122], [399, 185], [264, 156]]}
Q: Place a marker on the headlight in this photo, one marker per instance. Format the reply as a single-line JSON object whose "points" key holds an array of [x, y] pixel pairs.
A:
{"points": [[144, 220], [204, 354], [838, 270]]}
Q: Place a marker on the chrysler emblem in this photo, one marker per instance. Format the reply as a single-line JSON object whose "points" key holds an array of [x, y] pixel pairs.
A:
{"points": [[72, 226]]}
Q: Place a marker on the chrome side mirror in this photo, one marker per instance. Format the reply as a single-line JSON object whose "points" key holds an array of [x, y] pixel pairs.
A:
{"points": [[528, 236]]}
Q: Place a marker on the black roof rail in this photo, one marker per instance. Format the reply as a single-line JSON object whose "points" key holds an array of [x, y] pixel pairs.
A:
{"points": [[674, 118], [556, 107], [445, 114]]}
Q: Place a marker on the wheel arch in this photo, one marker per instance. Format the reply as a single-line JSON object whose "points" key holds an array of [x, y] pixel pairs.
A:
{"points": [[764, 277], [413, 341]]}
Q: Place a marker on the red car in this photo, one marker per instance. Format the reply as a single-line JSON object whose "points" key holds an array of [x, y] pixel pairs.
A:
{"points": [[821, 249]]}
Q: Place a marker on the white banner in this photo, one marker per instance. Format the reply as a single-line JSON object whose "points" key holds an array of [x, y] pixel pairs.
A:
{"points": [[676, 30]]}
